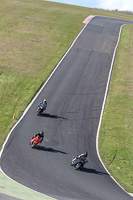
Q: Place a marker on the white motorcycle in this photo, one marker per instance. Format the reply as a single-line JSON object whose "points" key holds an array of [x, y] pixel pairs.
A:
{"points": [[40, 109], [78, 162]]}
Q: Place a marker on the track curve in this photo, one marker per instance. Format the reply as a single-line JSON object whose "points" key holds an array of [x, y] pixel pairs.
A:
{"points": [[75, 95]]}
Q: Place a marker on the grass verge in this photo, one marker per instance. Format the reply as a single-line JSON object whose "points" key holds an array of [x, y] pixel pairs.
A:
{"points": [[34, 35], [13, 189], [116, 135]]}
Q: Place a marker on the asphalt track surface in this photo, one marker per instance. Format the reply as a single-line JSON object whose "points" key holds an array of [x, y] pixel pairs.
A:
{"points": [[75, 96], [6, 197]]}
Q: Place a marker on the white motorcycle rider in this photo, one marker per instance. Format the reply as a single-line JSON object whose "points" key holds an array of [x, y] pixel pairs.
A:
{"points": [[42, 106], [79, 160]]}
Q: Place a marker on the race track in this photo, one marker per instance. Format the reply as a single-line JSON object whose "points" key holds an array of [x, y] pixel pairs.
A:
{"points": [[75, 96]]}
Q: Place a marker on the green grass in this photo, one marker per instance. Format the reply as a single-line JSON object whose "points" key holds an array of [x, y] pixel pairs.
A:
{"points": [[34, 35], [116, 135], [18, 191]]}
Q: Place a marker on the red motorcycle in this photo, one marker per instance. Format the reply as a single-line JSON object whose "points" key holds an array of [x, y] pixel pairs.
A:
{"points": [[35, 140]]}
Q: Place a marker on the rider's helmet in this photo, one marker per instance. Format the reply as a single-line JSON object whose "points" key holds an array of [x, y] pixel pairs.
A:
{"points": [[44, 101], [41, 133], [85, 154]]}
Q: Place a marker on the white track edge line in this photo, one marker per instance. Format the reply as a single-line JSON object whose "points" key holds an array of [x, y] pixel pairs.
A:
{"points": [[45, 196], [103, 106], [41, 88], [100, 115], [3, 146]]}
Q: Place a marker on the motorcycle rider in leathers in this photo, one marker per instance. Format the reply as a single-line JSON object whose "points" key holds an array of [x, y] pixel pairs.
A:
{"points": [[40, 136], [43, 104], [82, 157]]}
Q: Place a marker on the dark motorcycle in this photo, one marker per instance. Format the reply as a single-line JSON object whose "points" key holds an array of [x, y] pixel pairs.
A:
{"points": [[78, 162], [40, 109]]}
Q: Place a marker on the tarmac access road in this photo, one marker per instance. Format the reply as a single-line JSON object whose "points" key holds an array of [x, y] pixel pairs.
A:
{"points": [[75, 96]]}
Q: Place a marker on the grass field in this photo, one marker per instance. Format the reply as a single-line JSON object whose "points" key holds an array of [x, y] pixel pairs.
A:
{"points": [[34, 35], [116, 135]]}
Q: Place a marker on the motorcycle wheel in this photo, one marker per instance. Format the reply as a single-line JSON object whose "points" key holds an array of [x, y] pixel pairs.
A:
{"points": [[39, 112], [77, 166], [33, 145]]}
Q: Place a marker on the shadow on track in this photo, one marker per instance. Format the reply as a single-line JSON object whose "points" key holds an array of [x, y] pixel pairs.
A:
{"points": [[42, 148], [51, 116], [93, 171]]}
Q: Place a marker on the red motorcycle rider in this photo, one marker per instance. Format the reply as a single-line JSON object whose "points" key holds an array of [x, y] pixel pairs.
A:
{"points": [[38, 138]]}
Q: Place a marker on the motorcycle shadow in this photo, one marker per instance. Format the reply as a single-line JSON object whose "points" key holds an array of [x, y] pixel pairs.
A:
{"points": [[93, 171], [42, 148], [51, 116]]}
